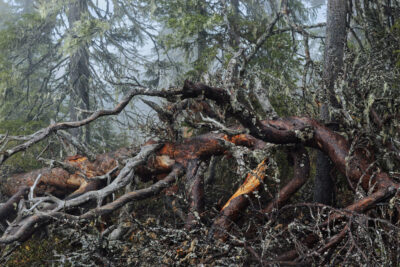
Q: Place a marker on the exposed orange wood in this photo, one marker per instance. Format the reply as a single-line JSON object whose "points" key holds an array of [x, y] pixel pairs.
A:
{"points": [[252, 182]]}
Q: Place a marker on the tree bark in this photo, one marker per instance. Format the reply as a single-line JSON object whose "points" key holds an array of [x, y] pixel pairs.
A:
{"points": [[158, 162], [333, 62], [79, 72]]}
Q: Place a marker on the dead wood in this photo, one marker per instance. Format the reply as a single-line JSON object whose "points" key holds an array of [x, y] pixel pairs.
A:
{"points": [[85, 185], [60, 182], [60, 190], [358, 207], [9, 209], [301, 172], [239, 201], [194, 187]]}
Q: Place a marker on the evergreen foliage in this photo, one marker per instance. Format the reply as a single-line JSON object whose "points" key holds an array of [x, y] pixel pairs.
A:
{"points": [[61, 60]]}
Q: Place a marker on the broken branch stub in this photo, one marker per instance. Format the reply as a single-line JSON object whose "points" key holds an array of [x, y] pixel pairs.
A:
{"points": [[239, 201]]}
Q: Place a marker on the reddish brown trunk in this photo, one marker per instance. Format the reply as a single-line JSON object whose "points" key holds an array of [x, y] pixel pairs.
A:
{"points": [[60, 182]]}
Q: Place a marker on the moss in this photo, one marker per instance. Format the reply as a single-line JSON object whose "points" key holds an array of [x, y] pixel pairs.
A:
{"points": [[38, 251]]}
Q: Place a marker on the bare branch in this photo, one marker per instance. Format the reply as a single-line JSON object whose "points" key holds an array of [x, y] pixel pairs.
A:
{"points": [[44, 133], [34, 186]]}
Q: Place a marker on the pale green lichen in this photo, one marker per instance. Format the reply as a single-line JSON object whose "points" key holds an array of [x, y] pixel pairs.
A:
{"points": [[305, 134]]}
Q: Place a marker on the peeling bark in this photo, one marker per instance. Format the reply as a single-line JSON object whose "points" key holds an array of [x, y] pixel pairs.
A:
{"points": [[164, 163], [295, 129], [239, 201]]}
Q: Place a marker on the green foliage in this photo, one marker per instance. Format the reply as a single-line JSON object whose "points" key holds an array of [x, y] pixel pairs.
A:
{"points": [[189, 26], [106, 137], [20, 31], [22, 42], [34, 51], [24, 39], [21, 127], [202, 29], [50, 8], [26, 161], [283, 105], [189, 23]]}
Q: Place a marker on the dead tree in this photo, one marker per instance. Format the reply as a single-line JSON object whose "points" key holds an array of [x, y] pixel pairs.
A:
{"points": [[48, 195]]}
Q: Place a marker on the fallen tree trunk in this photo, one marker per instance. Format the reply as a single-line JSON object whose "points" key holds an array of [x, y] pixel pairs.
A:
{"points": [[87, 175], [301, 130], [77, 175], [240, 200], [309, 132], [164, 163]]}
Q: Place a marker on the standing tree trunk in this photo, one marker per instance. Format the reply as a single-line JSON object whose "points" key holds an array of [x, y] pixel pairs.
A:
{"points": [[201, 61], [234, 38], [231, 14], [79, 72], [333, 63]]}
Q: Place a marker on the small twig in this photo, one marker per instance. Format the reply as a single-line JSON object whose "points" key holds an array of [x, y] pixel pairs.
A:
{"points": [[34, 186], [79, 146], [105, 176], [4, 138], [84, 110], [45, 132], [222, 127]]}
